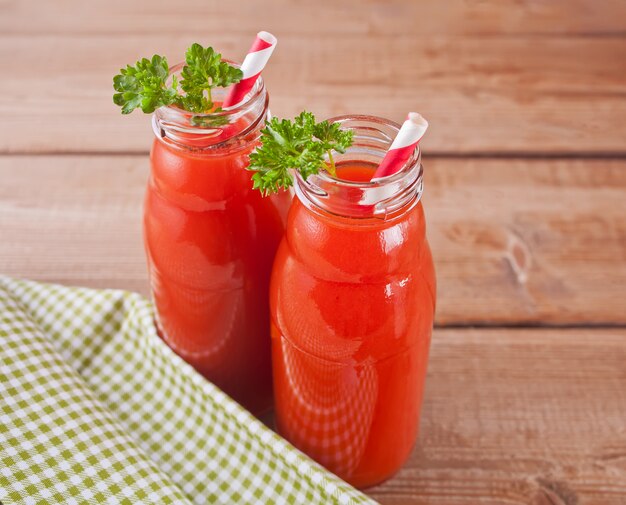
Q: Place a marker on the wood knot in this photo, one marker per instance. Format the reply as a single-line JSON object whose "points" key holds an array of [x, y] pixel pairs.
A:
{"points": [[518, 256], [552, 492], [495, 241]]}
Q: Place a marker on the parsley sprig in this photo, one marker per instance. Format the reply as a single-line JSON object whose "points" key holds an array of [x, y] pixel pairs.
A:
{"points": [[300, 144], [145, 85]]}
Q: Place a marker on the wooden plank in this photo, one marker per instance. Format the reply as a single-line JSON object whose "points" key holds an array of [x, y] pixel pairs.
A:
{"points": [[528, 241], [515, 241], [532, 417], [73, 220], [486, 91], [365, 17]]}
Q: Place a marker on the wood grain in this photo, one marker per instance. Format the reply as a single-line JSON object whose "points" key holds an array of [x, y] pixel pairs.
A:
{"points": [[525, 199], [324, 17], [528, 241], [533, 417], [514, 241], [516, 87]]}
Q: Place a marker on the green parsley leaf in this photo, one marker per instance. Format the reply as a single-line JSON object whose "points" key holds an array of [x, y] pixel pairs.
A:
{"points": [[300, 144], [211, 121], [144, 85], [203, 71]]}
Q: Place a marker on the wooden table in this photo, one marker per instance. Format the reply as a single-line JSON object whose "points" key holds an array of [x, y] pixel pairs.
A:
{"points": [[525, 196]]}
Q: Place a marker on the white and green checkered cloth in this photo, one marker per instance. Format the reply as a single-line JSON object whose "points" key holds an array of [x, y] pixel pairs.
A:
{"points": [[95, 408]]}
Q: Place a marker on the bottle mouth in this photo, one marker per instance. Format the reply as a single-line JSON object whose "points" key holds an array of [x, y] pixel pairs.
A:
{"points": [[381, 198], [211, 130]]}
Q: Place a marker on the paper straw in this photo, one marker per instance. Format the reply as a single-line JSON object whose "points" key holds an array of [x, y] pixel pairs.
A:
{"points": [[404, 144], [252, 66]]}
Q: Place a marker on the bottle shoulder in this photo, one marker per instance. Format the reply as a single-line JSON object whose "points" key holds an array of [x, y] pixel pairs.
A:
{"points": [[336, 249]]}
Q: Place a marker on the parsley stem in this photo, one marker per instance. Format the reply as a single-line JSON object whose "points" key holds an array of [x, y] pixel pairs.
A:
{"points": [[331, 168], [210, 100]]}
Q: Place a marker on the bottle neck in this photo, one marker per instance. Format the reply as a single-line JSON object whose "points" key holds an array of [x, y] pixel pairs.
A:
{"points": [[364, 201], [227, 130]]}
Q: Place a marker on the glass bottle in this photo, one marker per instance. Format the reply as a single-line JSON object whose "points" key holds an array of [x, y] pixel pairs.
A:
{"points": [[210, 241], [352, 302]]}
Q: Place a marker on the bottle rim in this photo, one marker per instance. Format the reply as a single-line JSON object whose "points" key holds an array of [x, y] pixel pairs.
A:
{"points": [[382, 198], [212, 130]]}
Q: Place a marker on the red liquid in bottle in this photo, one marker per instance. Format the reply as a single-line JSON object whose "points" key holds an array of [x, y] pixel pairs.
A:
{"points": [[210, 241], [352, 305]]}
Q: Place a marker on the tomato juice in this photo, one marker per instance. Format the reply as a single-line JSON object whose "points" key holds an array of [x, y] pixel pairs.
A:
{"points": [[210, 240], [352, 302]]}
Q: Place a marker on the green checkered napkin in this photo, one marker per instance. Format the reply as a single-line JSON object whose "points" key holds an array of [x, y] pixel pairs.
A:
{"points": [[95, 408]]}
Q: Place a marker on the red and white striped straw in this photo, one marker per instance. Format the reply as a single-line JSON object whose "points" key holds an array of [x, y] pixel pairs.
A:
{"points": [[252, 66], [404, 144]]}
